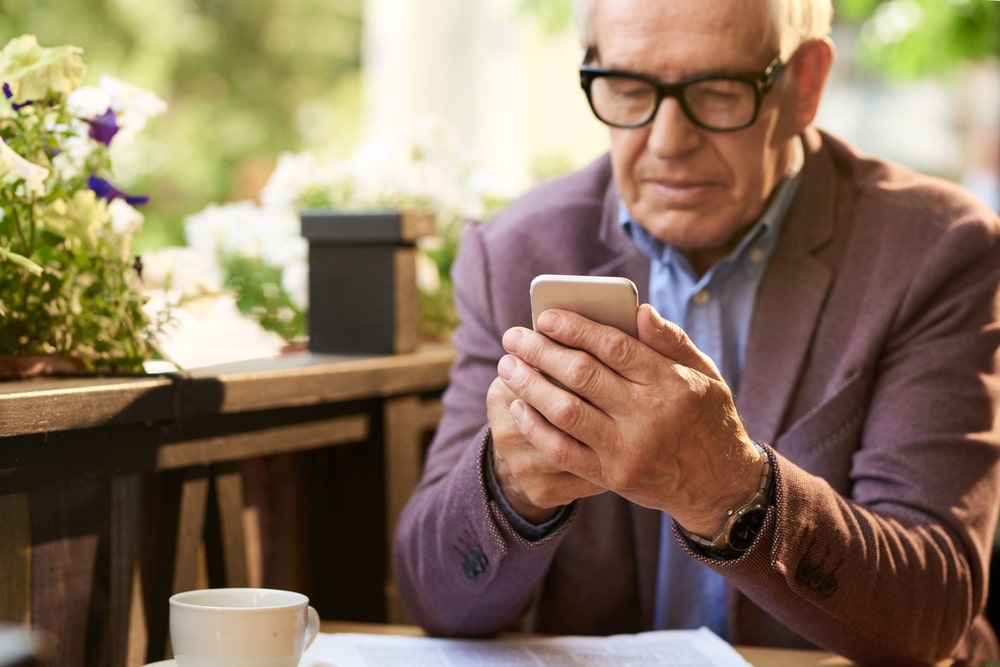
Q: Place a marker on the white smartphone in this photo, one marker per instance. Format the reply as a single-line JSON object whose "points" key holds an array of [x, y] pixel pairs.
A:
{"points": [[612, 301]]}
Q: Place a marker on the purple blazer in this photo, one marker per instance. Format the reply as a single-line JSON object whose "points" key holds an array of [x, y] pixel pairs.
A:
{"points": [[872, 369]]}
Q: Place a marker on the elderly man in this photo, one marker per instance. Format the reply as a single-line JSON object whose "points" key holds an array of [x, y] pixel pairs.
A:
{"points": [[800, 448]]}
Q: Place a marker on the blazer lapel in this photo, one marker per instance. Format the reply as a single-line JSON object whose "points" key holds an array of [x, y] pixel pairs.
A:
{"points": [[790, 299], [625, 258]]}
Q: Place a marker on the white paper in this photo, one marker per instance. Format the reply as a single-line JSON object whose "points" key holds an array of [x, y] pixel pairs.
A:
{"points": [[665, 648]]}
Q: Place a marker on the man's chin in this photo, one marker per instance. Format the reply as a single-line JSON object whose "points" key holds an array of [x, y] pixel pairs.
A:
{"points": [[686, 230]]}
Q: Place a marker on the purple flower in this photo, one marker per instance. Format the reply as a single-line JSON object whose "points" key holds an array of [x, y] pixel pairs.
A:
{"points": [[8, 94], [103, 128], [105, 190]]}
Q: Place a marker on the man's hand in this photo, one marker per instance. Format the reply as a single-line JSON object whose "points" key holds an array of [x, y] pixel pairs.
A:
{"points": [[649, 419], [534, 487]]}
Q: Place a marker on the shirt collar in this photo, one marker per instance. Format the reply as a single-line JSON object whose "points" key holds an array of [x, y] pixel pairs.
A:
{"points": [[762, 236]]}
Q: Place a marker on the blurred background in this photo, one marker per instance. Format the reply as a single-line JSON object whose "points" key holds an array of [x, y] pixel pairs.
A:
{"points": [[248, 80]]}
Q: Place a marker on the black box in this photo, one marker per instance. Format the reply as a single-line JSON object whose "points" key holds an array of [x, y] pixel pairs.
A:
{"points": [[363, 296]]}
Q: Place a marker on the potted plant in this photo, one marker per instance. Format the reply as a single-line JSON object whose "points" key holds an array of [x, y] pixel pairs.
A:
{"points": [[353, 253], [70, 290]]}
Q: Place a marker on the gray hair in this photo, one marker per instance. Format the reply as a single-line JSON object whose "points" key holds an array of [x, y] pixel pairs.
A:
{"points": [[796, 21]]}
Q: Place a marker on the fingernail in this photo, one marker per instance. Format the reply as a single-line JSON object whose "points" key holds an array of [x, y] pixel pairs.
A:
{"points": [[549, 321], [512, 339], [505, 367], [516, 410]]}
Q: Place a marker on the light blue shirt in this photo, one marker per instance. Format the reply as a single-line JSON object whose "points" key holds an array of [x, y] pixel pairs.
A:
{"points": [[715, 310]]}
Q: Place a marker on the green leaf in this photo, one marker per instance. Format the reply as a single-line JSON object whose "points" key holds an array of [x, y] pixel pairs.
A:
{"points": [[21, 261]]}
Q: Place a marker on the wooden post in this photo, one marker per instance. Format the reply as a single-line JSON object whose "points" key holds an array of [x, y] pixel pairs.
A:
{"points": [[409, 424], [15, 558]]}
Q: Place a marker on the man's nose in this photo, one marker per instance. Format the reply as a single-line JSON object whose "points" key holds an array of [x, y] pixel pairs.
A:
{"points": [[671, 132]]}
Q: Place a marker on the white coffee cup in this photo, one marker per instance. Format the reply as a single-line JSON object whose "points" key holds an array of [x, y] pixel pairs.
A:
{"points": [[241, 627]]}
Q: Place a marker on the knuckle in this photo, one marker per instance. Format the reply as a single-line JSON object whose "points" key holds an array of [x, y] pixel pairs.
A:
{"points": [[628, 481], [534, 347], [558, 456], [521, 382], [619, 349], [581, 373], [564, 413]]}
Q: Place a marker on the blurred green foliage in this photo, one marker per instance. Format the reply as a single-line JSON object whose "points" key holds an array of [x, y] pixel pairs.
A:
{"points": [[552, 15], [248, 79], [907, 38], [257, 287], [243, 79]]}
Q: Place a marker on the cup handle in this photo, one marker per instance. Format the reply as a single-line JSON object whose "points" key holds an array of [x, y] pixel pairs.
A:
{"points": [[312, 627]]}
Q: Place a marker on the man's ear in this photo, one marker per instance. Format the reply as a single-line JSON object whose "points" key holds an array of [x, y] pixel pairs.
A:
{"points": [[810, 67]]}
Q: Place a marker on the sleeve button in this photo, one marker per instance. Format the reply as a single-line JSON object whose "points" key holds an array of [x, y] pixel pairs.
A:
{"points": [[815, 579], [475, 563], [804, 572]]}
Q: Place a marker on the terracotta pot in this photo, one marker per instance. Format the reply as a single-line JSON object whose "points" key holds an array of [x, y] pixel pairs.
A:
{"points": [[14, 366]]}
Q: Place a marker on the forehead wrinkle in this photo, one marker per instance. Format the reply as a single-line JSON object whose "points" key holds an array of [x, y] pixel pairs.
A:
{"points": [[720, 35]]}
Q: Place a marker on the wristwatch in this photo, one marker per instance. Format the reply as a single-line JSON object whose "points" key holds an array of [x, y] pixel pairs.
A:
{"points": [[742, 524]]}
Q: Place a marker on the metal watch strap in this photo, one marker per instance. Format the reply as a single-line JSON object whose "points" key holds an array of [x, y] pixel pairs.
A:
{"points": [[742, 523]]}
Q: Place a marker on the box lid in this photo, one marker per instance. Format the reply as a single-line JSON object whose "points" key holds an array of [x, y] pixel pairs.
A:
{"points": [[369, 226]]}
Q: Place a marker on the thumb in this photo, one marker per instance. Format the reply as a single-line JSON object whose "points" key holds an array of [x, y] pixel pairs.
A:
{"points": [[670, 340]]}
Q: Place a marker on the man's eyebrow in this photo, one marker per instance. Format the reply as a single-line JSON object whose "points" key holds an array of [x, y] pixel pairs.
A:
{"points": [[688, 74]]}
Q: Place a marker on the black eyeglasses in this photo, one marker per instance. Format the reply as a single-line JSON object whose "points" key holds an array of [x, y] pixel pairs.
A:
{"points": [[721, 102]]}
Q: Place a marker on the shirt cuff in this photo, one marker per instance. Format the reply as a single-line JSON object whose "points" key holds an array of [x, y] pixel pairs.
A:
{"points": [[529, 531]]}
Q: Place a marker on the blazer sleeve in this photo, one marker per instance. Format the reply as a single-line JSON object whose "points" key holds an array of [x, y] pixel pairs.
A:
{"points": [[460, 568]]}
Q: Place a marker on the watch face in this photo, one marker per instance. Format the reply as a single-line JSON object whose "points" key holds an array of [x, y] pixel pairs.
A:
{"points": [[745, 529]]}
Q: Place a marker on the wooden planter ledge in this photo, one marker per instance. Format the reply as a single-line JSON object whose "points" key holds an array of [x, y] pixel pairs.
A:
{"points": [[116, 492]]}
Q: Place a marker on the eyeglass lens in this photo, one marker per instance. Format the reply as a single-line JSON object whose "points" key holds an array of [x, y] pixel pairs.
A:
{"points": [[713, 103]]}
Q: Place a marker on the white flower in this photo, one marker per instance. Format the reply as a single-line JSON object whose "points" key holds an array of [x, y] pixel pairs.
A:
{"points": [[292, 176], [295, 282], [428, 277], [12, 163], [426, 168], [125, 219], [133, 106], [30, 71], [76, 148], [286, 248], [220, 229], [88, 101], [246, 229], [180, 269], [278, 233]]}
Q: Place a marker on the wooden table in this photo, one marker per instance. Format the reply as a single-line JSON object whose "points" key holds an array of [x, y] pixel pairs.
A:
{"points": [[117, 491], [756, 656]]}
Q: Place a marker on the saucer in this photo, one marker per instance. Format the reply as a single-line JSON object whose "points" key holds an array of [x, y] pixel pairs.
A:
{"points": [[304, 662]]}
